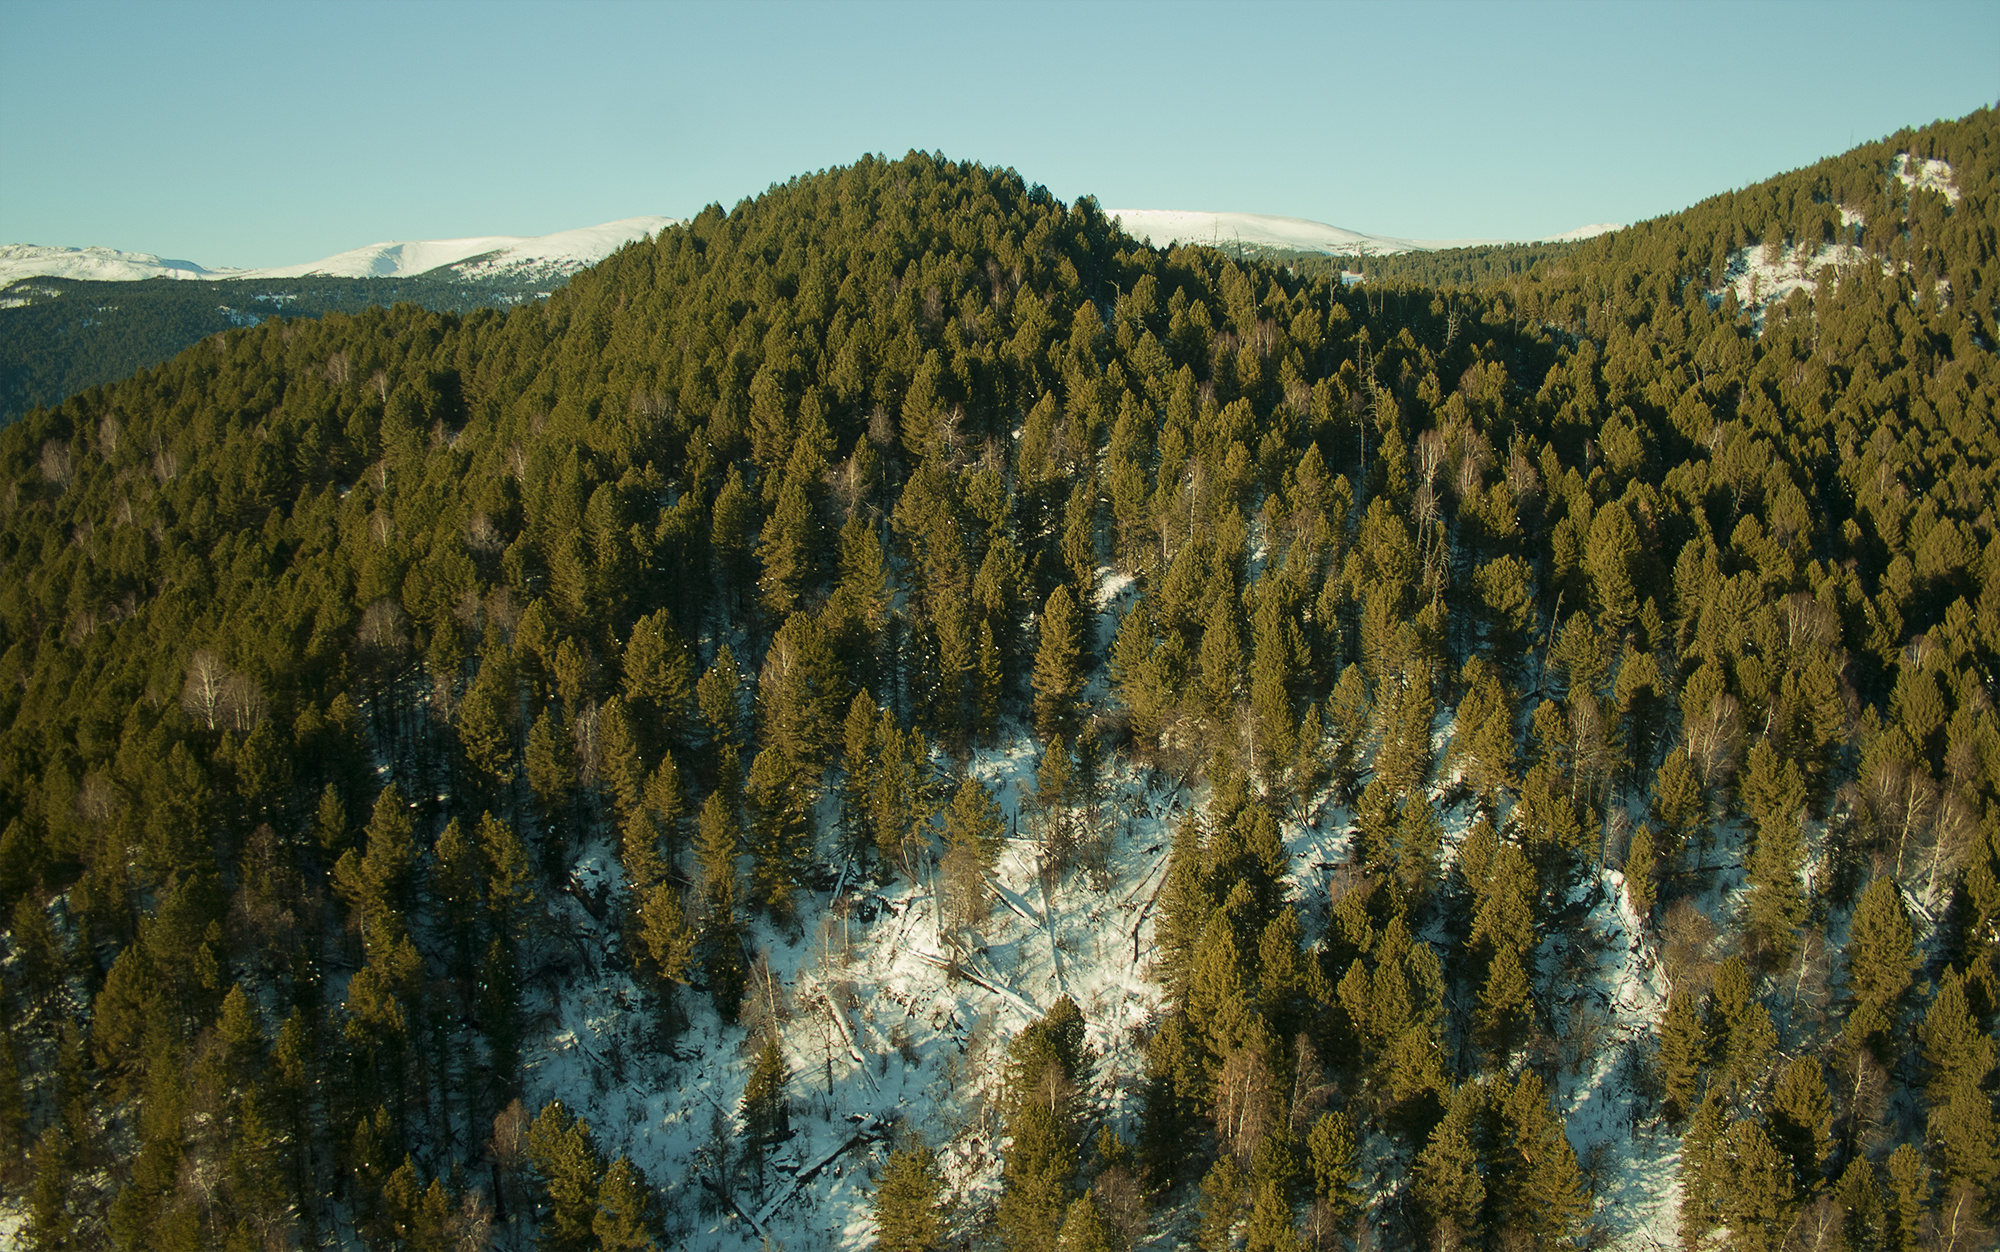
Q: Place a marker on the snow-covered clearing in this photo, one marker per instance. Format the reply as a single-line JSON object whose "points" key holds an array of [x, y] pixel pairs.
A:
{"points": [[891, 1020]]}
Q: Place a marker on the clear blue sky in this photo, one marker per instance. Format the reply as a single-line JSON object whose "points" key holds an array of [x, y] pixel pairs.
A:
{"points": [[267, 133]]}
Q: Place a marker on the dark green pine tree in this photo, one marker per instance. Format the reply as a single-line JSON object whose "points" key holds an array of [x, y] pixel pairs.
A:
{"points": [[1909, 1199], [766, 1110], [1445, 1182], [1776, 905], [1881, 954], [1641, 870], [718, 841], [1221, 1206], [1802, 1120], [1084, 1228], [1058, 673], [1506, 1006], [906, 1205], [1755, 1199], [1683, 1057], [1546, 1197], [779, 795], [570, 1174], [1332, 1157]]}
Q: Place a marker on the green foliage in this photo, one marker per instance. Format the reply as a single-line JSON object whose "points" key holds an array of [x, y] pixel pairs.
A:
{"points": [[906, 1204], [1652, 546]]}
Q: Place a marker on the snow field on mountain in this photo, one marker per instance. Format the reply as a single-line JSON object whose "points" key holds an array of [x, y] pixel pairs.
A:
{"points": [[554, 257], [1165, 227], [27, 260]]}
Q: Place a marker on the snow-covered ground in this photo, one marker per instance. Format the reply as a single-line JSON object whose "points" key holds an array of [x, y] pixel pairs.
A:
{"points": [[888, 1014], [554, 256], [1928, 174], [1164, 227]]}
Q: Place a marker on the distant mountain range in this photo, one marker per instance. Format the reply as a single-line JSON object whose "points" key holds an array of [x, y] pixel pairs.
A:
{"points": [[508, 258], [1269, 232]]}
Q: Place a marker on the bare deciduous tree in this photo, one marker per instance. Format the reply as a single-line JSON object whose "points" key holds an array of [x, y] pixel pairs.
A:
{"points": [[205, 691]]}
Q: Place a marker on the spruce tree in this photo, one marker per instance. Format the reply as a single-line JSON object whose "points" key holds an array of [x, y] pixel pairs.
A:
{"points": [[1640, 868], [1683, 1057], [1058, 675], [1881, 954], [906, 1204], [570, 1172], [1756, 1198], [1506, 1007], [1445, 1182], [765, 1110], [1221, 1205], [1802, 1120], [1908, 1199], [1084, 1228], [1332, 1157], [1546, 1197]]}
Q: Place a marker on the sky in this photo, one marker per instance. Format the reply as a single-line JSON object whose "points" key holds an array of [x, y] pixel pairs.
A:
{"points": [[275, 133]]}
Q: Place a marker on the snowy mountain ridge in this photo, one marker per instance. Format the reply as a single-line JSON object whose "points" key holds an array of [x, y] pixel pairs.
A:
{"points": [[482, 257], [1165, 227]]}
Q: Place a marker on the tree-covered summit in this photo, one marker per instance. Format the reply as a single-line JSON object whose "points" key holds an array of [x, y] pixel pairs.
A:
{"points": [[376, 682]]}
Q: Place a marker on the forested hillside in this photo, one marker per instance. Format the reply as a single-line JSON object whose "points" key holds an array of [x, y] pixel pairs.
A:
{"points": [[61, 335], [569, 775]]}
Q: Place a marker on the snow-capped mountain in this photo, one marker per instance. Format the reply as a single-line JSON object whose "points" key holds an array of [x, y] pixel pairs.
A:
{"points": [[1164, 227], [27, 260], [485, 257]]}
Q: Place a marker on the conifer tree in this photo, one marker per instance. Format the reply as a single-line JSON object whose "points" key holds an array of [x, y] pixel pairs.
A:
{"points": [[857, 774], [1678, 811], [1756, 1198], [906, 1202], [1683, 1056], [765, 1112], [717, 695], [1445, 1181], [1908, 1199], [571, 1173], [657, 677], [1880, 956], [1506, 1007], [1058, 674], [779, 797], [1545, 1196], [1084, 1228], [625, 1221], [1331, 1156], [1640, 868], [1802, 1120], [1776, 906], [1701, 1172], [1221, 1205]]}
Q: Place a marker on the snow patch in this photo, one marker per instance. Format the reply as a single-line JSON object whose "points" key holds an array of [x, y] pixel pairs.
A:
{"points": [[1926, 174]]}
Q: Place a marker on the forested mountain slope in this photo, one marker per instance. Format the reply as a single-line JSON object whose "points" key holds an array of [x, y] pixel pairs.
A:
{"points": [[1161, 742]]}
